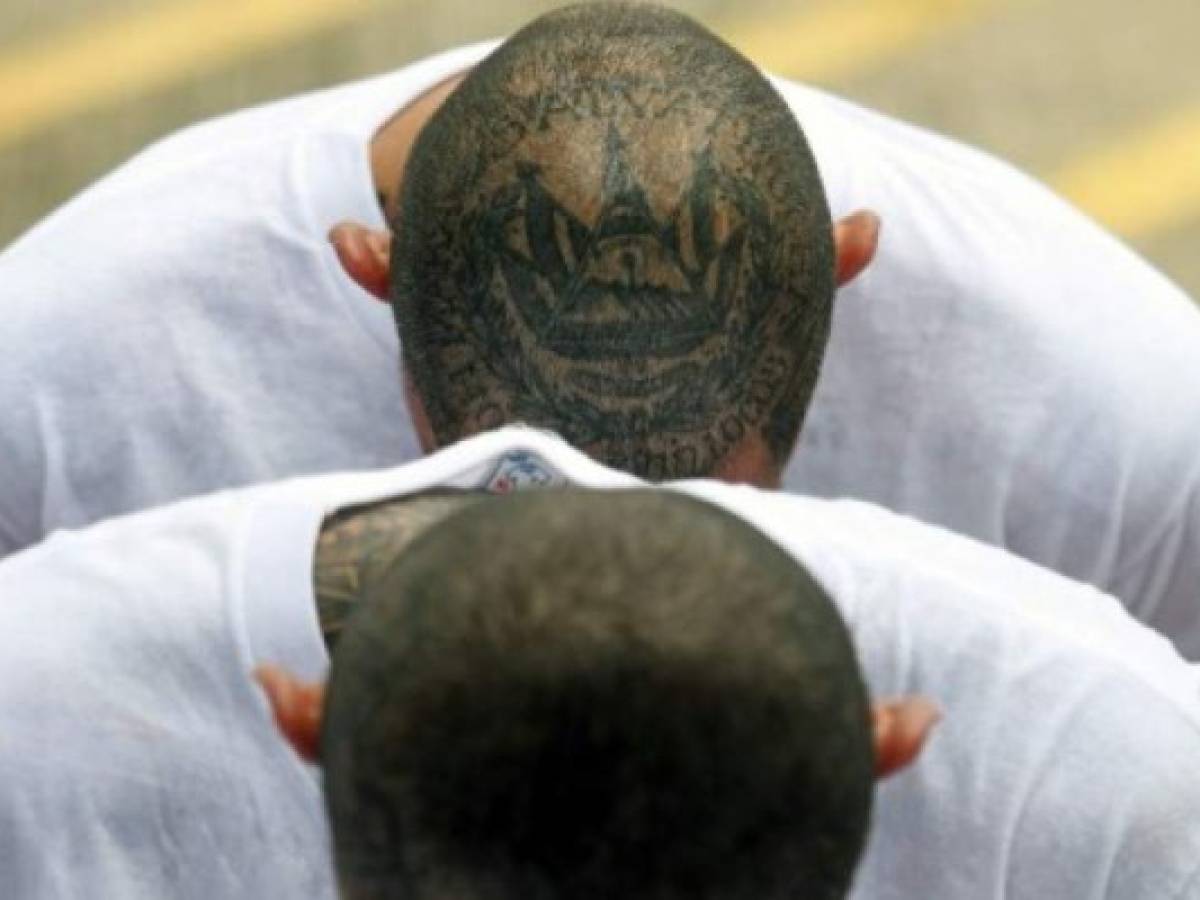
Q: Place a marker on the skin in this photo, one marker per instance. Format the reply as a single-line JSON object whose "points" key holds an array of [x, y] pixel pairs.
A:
{"points": [[359, 545], [393, 142], [364, 254]]}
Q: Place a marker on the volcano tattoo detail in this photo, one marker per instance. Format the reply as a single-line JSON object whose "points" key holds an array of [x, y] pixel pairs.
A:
{"points": [[627, 262], [630, 323], [580, 289]]}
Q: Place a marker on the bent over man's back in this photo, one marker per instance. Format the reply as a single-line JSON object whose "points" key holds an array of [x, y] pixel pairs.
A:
{"points": [[1062, 768]]}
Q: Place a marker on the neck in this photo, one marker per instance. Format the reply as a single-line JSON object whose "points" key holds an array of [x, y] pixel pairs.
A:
{"points": [[392, 144], [359, 545], [750, 462]]}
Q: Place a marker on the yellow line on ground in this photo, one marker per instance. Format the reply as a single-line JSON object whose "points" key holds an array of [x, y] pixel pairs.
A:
{"points": [[45, 81], [1142, 184], [839, 38]]}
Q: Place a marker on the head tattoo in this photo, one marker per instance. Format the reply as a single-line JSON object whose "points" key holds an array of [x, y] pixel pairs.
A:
{"points": [[615, 229]]}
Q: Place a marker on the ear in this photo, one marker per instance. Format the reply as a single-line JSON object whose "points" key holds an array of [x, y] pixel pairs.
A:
{"points": [[901, 728], [855, 240], [297, 706], [365, 255]]}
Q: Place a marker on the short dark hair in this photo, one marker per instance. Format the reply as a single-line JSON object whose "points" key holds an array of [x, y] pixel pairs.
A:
{"points": [[596, 695], [614, 229]]}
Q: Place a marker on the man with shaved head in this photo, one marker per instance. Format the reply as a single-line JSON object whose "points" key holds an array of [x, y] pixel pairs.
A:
{"points": [[602, 689], [609, 225]]}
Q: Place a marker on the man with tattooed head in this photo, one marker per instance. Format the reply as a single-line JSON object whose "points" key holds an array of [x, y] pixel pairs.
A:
{"points": [[613, 227], [610, 225]]}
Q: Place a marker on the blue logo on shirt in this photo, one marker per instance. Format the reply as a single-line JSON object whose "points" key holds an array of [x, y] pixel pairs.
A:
{"points": [[520, 470]]}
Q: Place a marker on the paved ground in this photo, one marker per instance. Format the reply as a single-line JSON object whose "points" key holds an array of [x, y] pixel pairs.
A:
{"points": [[1099, 97]]}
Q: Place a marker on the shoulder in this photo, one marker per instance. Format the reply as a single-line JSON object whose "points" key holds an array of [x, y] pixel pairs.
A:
{"points": [[920, 179], [220, 169], [1064, 753], [992, 282], [890, 571], [152, 231], [92, 613], [149, 555], [170, 244]]}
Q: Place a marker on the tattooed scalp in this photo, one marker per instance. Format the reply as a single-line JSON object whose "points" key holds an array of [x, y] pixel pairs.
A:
{"points": [[615, 229]]}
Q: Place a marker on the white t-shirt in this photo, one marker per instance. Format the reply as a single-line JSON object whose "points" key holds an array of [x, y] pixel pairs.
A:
{"points": [[1004, 368], [138, 761]]}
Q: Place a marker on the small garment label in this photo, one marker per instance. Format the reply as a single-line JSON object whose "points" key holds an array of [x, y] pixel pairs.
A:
{"points": [[519, 470]]}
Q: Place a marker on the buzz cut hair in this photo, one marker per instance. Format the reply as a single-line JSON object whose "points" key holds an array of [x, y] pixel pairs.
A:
{"points": [[615, 229], [578, 695]]}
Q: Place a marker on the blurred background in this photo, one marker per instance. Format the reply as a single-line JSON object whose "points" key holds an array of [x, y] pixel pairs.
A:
{"points": [[1100, 98]]}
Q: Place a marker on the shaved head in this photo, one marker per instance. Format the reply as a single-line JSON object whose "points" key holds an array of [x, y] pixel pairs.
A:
{"points": [[615, 229], [596, 695]]}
